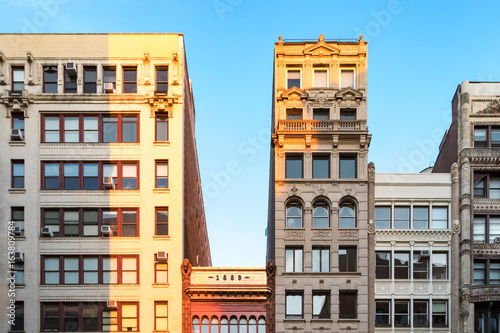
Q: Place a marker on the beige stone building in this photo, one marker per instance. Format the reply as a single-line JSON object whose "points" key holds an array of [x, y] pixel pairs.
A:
{"points": [[318, 202], [99, 181]]}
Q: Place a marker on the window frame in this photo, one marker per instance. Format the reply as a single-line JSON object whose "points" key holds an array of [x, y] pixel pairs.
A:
{"points": [[317, 219], [424, 315], [17, 222], [487, 237], [381, 315], [321, 157], [489, 143], [14, 69], [158, 267], [384, 219], [416, 269], [70, 82], [160, 163], [294, 157], [157, 224], [346, 295], [353, 207], [130, 83], [297, 259], [348, 157], [380, 267], [161, 118], [105, 79], [294, 293], [49, 69], [486, 181], [350, 255], [86, 72], [14, 176], [487, 270], [320, 251], [406, 314], [158, 82], [293, 69], [156, 304], [345, 69], [299, 206], [348, 112], [326, 306]]}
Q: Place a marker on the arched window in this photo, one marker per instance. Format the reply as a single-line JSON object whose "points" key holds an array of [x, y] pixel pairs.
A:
{"points": [[214, 325], [321, 217], [233, 325], [262, 325], [224, 325], [347, 215], [196, 324], [294, 215], [243, 325], [204, 325], [252, 325]]}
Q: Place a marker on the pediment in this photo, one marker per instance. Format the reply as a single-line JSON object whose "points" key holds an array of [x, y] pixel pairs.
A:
{"points": [[349, 92], [492, 108], [321, 47], [294, 92]]}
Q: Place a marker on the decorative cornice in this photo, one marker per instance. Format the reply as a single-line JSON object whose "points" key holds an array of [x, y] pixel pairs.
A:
{"points": [[492, 109], [425, 235]]}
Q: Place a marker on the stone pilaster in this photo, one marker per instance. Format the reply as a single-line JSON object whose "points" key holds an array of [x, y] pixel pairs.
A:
{"points": [[371, 247], [455, 250]]}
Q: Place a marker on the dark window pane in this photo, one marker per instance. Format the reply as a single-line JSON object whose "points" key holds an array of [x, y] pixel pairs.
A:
{"points": [[382, 313], [69, 83], [347, 114], [110, 129], [347, 259], [294, 167], [348, 304], [420, 217], [293, 79], [383, 217], [321, 114], [294, 114], [383, 265], [161, 129], [321, 306], [129, 129], [401, 265], [348, 166], [401, 217], [321, 167]]}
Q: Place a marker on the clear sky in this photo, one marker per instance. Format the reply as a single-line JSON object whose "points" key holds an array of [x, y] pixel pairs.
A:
{"points": [[418, 52]]}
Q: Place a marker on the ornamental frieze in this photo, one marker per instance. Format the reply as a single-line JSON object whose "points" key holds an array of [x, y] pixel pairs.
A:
{"points": [[322, 234], [413, 235], [348, 234], [294, 234]]}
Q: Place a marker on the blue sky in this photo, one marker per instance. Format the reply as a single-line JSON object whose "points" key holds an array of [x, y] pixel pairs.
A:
{"points": [[418, 52]]}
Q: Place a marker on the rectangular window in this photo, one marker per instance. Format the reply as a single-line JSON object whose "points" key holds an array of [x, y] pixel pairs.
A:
{"points": [[90, 270], [479, 272], [90, 79], [69, 81], [19, 272], [321, 78], [71, 223], [439, 218], [161, 129], [110, 270], [347, 259], [71, 129], [90, 223], [321, 166], [161, 272], [18, 121], [488, 187], [51, 317], [51, 270], [439, 265], [51, 176], [383, 217], [321, 114], [487, 137], [294, 114], [51, 221], [129, 270], [439, 313], [17, 174], [129, 223], [348, 114], [50, 79], [161, 316], [348, 304], [19, 322], [401, 313], [479, 229], [382, 313], [401, 217], [110, 172], [90, 317], [70, 316], [162, 79], [293, 79], [90, 129], [420, 217], [71, 176], [110, 129], [130, 80], [71, 269], [486, 272], [90, 176], [294, 305], [420, 264], [348, 166], [162, 221], [420, 313], [321, 304], [129, 314], [52, 131], [486, 228], [109, 76], [294, 259], [129, 177], [17, 216], [383, 265], [346, 78], [294, 166], [320, 259], [161, 174], [110, 320], [17, 78], [402, 265], [129, 128]]}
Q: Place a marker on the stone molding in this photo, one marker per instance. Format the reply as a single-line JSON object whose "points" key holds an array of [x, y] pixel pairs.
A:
{"points": [[413, 235], [415, 287]]}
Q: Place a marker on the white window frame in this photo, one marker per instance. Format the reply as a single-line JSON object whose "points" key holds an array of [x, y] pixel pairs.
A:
{"points": [[353, 68]]}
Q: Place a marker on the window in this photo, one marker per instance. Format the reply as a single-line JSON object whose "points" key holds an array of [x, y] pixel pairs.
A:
{"points": [[109, 76], [17, 174], [294, 259], [51, 176], [383, 265], [19, 272], [294, 215], [51, 131], [19, 322], [71, 269], [486, 137], [129, 315], [321, 304], [196, 324], [243, 325], [401, 217], [348, 166], [233, 325], [71, 176], [347, 78], [90, 317], [51, 220], [294, 305], [401, 313], [294, 114], [439, 313], [90, 129], [71, 129], [252, 326], [50, 79], [18, 121], [17, 78], [161, 316], [347, 114], [162, 79], [129, 129], [420, 264], [90, 176], [293, 79], [70, 316], [51, 270], [130, 80], [402, 265], [439, 218], [110, 129], [383, 217], [420, 217], [50, 316], [439, 265], [161, 272], [347, 259], [488, 187], [382, 313], [161, 129], [486, 272], [17, 216], [486, 228], [262, 325], [161, 174], [320, 259], [321, 78], [90, 79], [161, 221], [420, 313], [487, 317], [224, 325], [321, 216], [321, 166], [109, 319], [205, 325], [129, 179], [69, 81], [90, 270], [348, 304], [321, 114], [347, 216], [71, 223]]}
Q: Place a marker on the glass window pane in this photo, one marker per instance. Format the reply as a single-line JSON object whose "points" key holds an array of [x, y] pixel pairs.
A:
{"points": [[294, 306], [321, 167], [293, 167], [383, 217], [347, 166], [401, 217]]}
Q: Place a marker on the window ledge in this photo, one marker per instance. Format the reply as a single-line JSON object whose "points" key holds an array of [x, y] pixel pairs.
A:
{"points": [[348, 320], [322, 320], [295, 320], [20, 285], [161, 237], [17, 190], [161, 143], [20, 238], [17, 143], [161, 190], [161, 285]]}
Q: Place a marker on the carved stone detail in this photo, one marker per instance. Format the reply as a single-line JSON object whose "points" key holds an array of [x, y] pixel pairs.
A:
{"points": [[349, 234], [492, 108], [322, 234], [455, 227], [371, 227], [294, 234], [17, 103], [414, 235]]}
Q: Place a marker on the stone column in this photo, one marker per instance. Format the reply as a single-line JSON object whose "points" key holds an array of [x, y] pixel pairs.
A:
{"points": [[455, 250], [371, 247]]}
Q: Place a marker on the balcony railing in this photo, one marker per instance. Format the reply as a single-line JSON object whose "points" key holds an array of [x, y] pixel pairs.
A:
{"points": [[322, 125]]}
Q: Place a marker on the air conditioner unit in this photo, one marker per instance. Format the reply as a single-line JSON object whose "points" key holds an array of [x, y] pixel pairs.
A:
{"points": [[111, 304], [108, 87], [47, 232], [18, 257], [425, 254], [162, 256], [16, 134], [71, 68], [106, 230], [108, 183], [17, 231], [496, 240]]}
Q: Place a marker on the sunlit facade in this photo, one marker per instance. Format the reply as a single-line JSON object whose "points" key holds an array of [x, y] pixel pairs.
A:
{"points": [[100, 181]]}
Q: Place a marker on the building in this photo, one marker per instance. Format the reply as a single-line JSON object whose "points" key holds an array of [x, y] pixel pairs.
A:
{"points": [[473, 142], [416, 239], [229, 299], [99, 181], [318, 198]]}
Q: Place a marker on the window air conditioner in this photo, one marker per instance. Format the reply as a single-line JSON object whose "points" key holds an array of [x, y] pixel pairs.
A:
{"points": [[425, 254], [162, 256], [496, 240], [47, 232], [108, 183], [71, 68], [18, 257], [16, 135], [106, 230], [108, 87], [111, 304], [17, 231]]}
